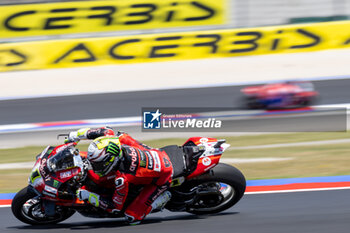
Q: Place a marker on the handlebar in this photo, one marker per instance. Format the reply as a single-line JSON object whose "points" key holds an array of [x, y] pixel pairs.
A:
{"points": [[65, 135]]}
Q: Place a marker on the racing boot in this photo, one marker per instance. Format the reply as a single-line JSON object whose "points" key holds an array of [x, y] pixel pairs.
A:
{"points": [[156, 206], [131, 220], [160, 202]]}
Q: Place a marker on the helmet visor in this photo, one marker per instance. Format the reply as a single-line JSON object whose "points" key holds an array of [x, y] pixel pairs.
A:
{"points": [[103, 166]]}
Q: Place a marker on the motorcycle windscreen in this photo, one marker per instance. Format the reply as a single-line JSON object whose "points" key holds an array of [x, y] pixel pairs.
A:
{"points": [[62, 161]]}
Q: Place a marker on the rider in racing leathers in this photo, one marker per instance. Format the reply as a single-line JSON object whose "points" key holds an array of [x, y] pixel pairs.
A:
{"points": [[127, 161]]}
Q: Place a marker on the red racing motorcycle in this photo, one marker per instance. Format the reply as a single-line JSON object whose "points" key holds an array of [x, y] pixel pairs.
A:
{"points": [[292, 94], [200, 185]]}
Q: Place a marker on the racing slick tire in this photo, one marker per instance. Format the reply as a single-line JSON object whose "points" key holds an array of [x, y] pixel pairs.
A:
{"points": [[227, 176], [26, 195]]}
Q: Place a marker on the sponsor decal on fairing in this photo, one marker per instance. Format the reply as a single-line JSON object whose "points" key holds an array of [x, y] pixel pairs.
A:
{"points": [[150, 160], [206, 161], [143, 160], [65, 174], [133, 155], [157, 164], [203, 140], [50, 189]]}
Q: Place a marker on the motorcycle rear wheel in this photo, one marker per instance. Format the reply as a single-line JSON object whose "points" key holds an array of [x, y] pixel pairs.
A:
{"points": [[26, 207], [231, 184]]}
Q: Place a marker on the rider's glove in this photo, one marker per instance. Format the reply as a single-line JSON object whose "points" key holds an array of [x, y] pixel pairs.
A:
{"points": [[92, 198], [83, 194], [73, 137]]}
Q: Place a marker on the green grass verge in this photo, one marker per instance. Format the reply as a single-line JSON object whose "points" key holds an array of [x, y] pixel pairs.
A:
{"points": [[13, 180], [308, 161]]}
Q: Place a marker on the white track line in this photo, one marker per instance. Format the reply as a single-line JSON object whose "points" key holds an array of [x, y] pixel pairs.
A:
{"points": [[253, 160], [310, 143], [22, 165], [297, 190], [343, 105]]}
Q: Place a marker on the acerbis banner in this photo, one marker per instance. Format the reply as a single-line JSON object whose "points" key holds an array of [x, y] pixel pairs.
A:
{"points": [[174, 46], [110, 15]]}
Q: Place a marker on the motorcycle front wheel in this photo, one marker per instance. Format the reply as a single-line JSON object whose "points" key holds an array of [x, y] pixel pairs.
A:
{"points": [[218, 190], [26, 207]]}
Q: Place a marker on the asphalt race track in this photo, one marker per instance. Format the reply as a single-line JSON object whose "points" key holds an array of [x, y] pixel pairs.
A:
{"points": [[130, 103], [298, 212]]}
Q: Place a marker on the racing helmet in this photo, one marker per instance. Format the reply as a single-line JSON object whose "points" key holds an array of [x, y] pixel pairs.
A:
{"points": [[103, 154]]}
